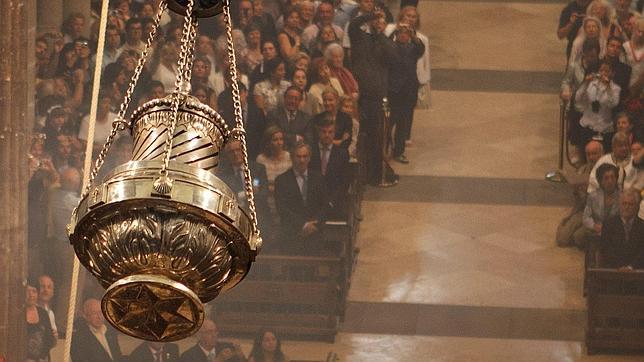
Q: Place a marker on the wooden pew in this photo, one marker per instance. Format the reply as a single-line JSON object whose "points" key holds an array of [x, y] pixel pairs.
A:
{"points": [[615, 310], [299, 297]]}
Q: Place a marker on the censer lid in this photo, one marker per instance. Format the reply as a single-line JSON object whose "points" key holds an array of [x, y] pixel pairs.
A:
{"points": [[191, 104]]}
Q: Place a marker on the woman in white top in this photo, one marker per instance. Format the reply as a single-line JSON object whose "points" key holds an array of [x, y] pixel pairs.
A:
{"points": [[269, 93], [103, 126], [166, 72], [321, 78], [275, 159]]}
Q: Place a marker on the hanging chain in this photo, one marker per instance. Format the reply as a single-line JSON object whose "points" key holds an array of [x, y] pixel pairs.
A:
{"points": [[239, 131], [182, 82], [120, 124]]}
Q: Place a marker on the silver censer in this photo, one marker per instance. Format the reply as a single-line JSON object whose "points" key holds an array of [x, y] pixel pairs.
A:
{"points": [[162, 233]]}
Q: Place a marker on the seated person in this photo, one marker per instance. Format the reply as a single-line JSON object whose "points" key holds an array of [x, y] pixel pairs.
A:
{"points": [[253, 119], [209, 348], [301, 199], [276, 160], [600, 205], [92, 339], [634, 170], [267, 347], [290, 118], [342, 121], [579, 182], [332, 162], [620, 157], [231, 171], [155, 352], [622, 237]]}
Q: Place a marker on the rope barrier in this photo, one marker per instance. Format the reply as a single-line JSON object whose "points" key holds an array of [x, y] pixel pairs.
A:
{"points": [[87, 166]]}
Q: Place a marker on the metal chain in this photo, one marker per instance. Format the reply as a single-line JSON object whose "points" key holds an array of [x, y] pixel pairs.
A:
{"points": [[182, 82], [119, 124], [239, 131]]}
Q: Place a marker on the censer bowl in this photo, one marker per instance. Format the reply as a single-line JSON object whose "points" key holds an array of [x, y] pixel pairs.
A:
{"points": [[162, 256], [162, 244]]}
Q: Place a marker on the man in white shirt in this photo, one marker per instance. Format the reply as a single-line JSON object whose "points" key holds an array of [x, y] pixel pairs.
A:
{"points": [[597, 96], [325, 16], [620, 156], [45, 295], [134, 36], [92, 339], [112, 49]]}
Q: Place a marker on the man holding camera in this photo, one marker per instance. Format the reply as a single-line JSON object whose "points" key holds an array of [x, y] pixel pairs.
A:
{"points": [[371, 55], [597, 96]]}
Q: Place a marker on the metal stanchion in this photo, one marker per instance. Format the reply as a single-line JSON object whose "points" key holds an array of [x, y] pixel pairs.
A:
{"points": [[557, 175], [386, 143]]}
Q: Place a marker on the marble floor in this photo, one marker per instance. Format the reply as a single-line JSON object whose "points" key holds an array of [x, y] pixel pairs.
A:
{"points": [[458, 261]]}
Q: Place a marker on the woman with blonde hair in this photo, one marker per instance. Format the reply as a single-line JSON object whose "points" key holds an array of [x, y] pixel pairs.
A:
{"points": [[321, 78]]}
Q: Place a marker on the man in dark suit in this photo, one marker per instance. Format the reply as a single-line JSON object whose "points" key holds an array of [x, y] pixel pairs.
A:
{"points": [[210, 349], [371, 56], [254, 119], [622, 237], [289, 118], [333, 163], [230, 171], [622, 71], [155, 352], [302, 202], [92, 340]]}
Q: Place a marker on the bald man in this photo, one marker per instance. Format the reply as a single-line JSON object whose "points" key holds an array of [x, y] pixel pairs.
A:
{"points": [[92, 340], [572, 223], [210, 349]]}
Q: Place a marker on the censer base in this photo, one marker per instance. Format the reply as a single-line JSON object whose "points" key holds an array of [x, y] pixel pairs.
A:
{"points": [[153, 307]]}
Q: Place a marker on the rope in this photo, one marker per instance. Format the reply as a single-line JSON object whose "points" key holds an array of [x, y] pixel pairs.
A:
{"points": [[86, 170]]}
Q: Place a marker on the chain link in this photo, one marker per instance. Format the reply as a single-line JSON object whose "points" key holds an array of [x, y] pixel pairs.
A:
{"points": [[239, 131], [182, 82], [120, 124]]}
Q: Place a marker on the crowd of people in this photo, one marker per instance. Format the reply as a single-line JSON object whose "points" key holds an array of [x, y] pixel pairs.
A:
{"points": [[312, 79], [603, 91]]}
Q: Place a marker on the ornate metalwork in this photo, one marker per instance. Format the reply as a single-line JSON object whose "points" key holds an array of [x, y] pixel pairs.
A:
{"points": [[199, 134], [203, 8], [196, 238], [162, 233]]}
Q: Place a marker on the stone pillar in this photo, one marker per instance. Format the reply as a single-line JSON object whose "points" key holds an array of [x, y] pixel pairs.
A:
{"points": [[49, 15], [17, 63], [79, 6]]}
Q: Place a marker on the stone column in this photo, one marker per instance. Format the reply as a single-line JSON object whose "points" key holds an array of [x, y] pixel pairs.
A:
{"points": [[17, 63], [49, 15]]}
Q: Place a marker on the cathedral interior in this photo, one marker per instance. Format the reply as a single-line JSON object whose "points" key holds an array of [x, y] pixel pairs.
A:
{"points": [[458, 261]]}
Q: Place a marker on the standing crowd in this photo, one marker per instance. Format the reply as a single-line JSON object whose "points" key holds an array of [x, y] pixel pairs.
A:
{"points": [[313, 76], [602, 92]]}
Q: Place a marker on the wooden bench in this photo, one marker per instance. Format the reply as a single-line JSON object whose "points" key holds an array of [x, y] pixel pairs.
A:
{"points": [[615, 310], [299, 297]]}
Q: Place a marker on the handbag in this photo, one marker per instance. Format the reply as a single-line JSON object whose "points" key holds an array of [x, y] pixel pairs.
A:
{"points": [[424, 97]]}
